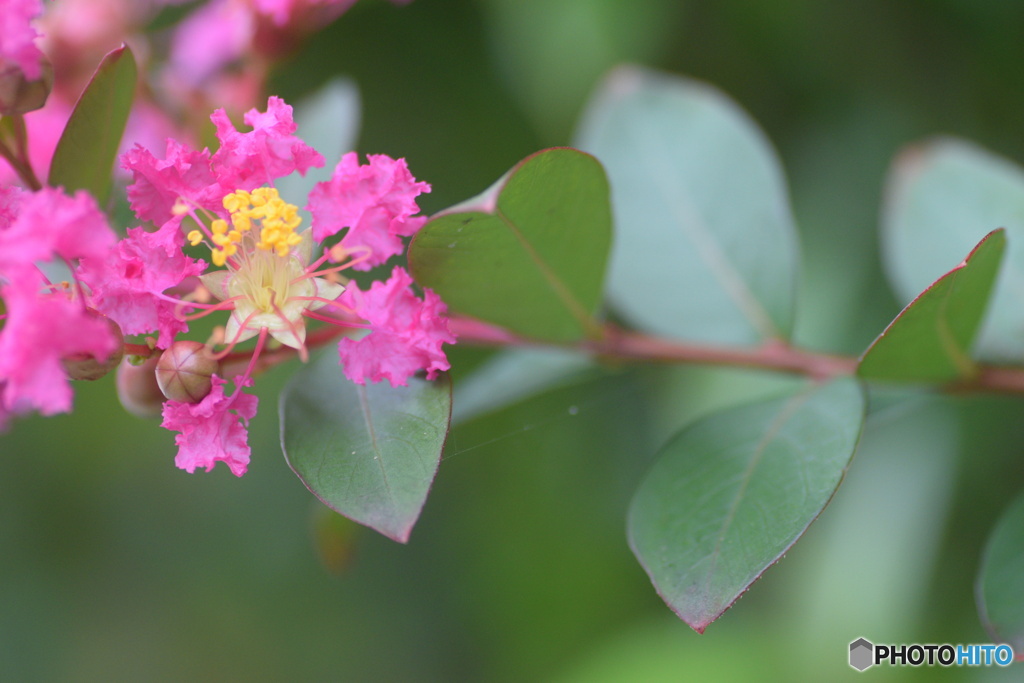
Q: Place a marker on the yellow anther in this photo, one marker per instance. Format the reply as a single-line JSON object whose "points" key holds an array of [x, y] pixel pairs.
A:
{"points": [[261, 209], [237, 201], [262, 195], [180, 208], [195, 237], [241, 221]]}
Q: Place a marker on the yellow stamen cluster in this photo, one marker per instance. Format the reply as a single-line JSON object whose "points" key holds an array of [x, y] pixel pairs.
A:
{"points": [[277, 221]]}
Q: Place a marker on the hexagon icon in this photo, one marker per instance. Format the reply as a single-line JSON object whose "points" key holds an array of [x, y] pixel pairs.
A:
{"points": [[861, 652]]}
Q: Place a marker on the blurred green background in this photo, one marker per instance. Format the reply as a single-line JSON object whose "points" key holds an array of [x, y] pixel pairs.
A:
{"points": [[116, 566]]}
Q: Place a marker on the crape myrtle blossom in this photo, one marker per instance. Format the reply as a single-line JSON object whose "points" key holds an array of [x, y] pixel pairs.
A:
{"points": [[265, 271], [18, 36], [44, 324]]}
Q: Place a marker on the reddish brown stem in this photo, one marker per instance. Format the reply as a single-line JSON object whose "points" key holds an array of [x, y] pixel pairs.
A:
{"points": [[625, 345]]}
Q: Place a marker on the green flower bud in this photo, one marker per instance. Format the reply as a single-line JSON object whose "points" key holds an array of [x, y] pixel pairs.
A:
{"points": [[19, 95], [137, 388], [184, 370]]}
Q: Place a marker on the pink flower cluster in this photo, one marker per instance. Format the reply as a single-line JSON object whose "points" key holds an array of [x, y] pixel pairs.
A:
{"points": [[148, 284], [43, 322], [18, 36]]}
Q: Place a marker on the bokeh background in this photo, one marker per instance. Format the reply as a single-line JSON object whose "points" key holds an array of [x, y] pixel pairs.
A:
{"points": [[116, 566]]}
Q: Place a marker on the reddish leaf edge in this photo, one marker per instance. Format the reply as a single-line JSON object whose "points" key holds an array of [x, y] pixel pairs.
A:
{"points": [[949, 275], [701, 625]]}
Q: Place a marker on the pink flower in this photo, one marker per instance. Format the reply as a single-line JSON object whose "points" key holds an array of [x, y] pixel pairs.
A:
{"points": [[269, 277], [39, 330], [18, 37], [375, 202], [406, 335], [271, 150], [214, 429], [157, 184], [49, 223], [10, 201], [127, 285], [42, 327]]}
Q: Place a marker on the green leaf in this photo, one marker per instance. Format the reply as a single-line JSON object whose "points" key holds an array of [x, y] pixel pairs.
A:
{"points": [[942, 198], [529, 254], [930, 341], [705, 245], [1000, 588], [369, 452], [84, 158], [732, 492]]}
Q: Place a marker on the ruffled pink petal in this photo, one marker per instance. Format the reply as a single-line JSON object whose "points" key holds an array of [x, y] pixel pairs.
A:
{"points": [[213, 430], [18, 37], [51, 224], [10, 204], [127, 284], [406, 337], [269, 151], [40, 329], [376, 202], [158, 183]]}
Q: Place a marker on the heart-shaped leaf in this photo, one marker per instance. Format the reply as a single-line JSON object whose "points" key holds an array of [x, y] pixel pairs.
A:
{"points": [[732, 492], [942, 198], [529, 254], [705, 245], [930, 340], [1000, 588], [369, 452], [84, 158]]}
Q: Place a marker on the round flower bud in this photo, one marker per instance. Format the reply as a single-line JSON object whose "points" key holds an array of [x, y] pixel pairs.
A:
{"points": [[88, 367], [137, 388], [19, 95], [184, 372]]}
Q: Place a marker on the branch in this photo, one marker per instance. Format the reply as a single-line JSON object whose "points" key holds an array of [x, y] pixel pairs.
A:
{"points": [[622, 344]]}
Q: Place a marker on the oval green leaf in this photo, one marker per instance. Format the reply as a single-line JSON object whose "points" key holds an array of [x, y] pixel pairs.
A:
{"points": [[705, 244], [732, 492], [1000, 586], [529, 254], [930, 340], [84, 158], [369, 452], [942, 198]]}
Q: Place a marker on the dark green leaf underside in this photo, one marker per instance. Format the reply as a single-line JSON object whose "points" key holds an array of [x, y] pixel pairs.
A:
{"points": [[732, 492], [369, 452]]}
